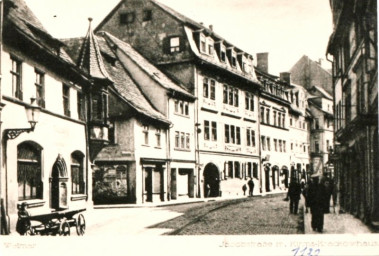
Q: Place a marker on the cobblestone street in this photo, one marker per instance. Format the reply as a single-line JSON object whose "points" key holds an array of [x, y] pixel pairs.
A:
{"points": [[247, 216]]}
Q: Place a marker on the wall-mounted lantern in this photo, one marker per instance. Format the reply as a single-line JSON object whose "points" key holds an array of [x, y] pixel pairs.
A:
{"points": [[32, 111]]}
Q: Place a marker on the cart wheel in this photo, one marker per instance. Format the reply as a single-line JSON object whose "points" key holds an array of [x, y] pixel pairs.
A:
{"points": [[80, 225], [64, 229], [30, 232]]}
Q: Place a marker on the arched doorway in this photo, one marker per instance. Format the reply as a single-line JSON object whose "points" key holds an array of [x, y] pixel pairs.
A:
{"points": [[267, 178], [211, 181], [285, 173], [59, 179], [275, 176]]}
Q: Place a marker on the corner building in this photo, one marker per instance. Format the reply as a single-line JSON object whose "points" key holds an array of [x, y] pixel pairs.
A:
{"points": [[220, 75]]}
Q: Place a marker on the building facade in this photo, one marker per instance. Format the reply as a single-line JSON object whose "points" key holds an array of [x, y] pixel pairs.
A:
{"points": [[353, 45], [47, 166], [221, 77]]}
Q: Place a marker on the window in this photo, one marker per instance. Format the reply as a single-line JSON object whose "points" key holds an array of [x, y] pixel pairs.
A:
{"points": [[249, 101], [181, 107], [223, 54], [268, 144], [182, 140], [213, 89], [290, 121], [158, 137], [327, 145], [274, 113], [209, 88], [279, 118], [275, 144], [234, 59], [177, 145], [263, 140], [267, 116], [214, 131], [16, 72], [210, 49], [280, 146], [317, 147], [80, 102], [29, 172], [40, 89], [203, 45], [250, 137], [284, 146], [127, 18], [262, 115], [236, 97], [77, 173], [188, 141], [230, 96], [291, 146], [66, 100], [283, 120], [225, 95], [146, 134], [147, 15], [232, 134], [206, 130], [174, 44], [111, 133]]}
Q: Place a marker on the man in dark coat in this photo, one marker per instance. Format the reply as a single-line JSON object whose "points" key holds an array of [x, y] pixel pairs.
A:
{"points": [[316, 198], [250, 183], [294, 192]]}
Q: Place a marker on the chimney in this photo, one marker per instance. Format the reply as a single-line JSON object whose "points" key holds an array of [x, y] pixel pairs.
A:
{"points": [[202, 23], [262, 61], [319, 62], [211, 27], [285, 77]]}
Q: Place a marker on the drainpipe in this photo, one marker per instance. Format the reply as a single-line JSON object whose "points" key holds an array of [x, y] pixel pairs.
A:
{"points": [[196, 127], [168, 151], [262, 190]]}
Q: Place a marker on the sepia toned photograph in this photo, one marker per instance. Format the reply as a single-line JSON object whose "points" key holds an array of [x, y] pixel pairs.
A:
{"points": [[181, 127]]}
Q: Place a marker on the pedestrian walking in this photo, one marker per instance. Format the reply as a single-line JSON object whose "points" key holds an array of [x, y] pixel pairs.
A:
{"points": [[294, 192], [316, 197], [305, 193], [244, 188], [250, 183]]}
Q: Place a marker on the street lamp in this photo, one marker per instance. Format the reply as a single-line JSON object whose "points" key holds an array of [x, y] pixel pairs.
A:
{"points": [[32, 111]]}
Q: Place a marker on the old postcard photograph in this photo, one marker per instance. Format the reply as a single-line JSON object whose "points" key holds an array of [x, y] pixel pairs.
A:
{"points": [[173, 127]]}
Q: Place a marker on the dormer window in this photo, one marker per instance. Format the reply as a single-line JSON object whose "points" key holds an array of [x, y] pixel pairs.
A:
{"points": [[223, 53], [210, 45], [234, 59], [203, 44], [174, 44]]}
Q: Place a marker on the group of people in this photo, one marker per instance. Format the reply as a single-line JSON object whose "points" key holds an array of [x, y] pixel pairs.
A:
{"points": [[250, 184], [317, 194]]}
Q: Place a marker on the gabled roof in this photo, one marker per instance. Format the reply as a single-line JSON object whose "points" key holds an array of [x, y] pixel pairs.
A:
{"points": [[18, 14], [90, 59], [123, 84], [145, 65]]}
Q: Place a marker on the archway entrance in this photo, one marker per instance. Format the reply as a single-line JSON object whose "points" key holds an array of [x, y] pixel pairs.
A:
{"points": [[285, 173], [59, 179], [211, 181]]}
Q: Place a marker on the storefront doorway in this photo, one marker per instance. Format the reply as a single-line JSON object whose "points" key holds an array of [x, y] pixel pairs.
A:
{"points": [[211, 181]]}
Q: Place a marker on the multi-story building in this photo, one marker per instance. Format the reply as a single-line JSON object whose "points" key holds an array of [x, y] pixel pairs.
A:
{"points": [[47, 166], [149, 158], [220, 75], [321, 108], [353, 45], [299, 126]]}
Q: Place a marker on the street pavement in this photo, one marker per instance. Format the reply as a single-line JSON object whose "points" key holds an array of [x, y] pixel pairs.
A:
{"points": [[337, 223]]}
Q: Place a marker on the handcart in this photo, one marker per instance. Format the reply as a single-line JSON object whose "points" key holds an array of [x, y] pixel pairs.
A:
{"points": [[51, 223]]}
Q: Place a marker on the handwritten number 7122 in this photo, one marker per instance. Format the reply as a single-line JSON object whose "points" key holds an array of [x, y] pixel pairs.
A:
{"points": [[306, 252]]}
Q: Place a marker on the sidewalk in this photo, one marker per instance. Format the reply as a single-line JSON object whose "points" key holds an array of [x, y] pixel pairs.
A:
{"points": [[334, 223]]}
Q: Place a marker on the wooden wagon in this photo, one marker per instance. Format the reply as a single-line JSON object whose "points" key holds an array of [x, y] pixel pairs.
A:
{"points": [[51, 223]]}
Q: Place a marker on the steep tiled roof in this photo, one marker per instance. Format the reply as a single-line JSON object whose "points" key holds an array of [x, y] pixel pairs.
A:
{"points": [[90, 59], [145, 65], [323, 92], [17, 13], [124, 86]]}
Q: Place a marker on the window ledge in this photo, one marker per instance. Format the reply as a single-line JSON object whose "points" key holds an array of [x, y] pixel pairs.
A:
{"points": [[182, 149], [78, 197], [32, 203]]}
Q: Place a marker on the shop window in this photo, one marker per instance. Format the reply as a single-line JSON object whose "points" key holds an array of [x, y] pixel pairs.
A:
{"points": [[29, 171], [77, 173]]}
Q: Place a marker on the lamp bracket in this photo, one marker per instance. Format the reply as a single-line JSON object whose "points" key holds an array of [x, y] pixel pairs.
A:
{"points": [[14, 133]]}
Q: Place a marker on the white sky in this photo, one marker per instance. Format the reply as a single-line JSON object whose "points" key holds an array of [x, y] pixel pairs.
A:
{"points": [[287, 29]]}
